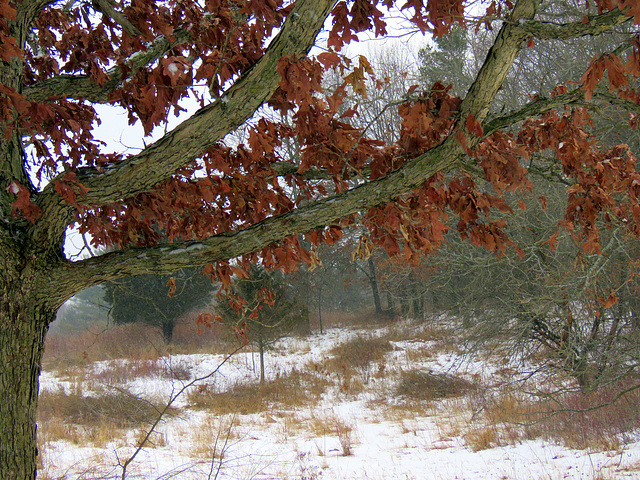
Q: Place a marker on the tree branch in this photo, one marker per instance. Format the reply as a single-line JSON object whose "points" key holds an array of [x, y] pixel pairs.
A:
{"points": [[164, 259], [532, 109], [596, 25], [157, 162], [211, 123], [82, 87], [499, 60], [542, 105], [289, 168], [106, 8]]}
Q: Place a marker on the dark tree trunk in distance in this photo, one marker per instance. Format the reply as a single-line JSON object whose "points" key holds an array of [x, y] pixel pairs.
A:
{"points": [[167, 330], [261, 350], [373, 281]]}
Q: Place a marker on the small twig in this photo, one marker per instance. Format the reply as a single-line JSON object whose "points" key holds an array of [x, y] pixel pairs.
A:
{"points": [[161, 414]]}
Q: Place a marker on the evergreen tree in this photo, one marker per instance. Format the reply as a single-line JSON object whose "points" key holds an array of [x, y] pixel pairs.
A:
{"points": [[158, 300]]}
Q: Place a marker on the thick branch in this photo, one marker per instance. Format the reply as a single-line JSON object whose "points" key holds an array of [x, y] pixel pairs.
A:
{"points": [[210, 124], [533, 109], [596, 25], [82, 87], [499, 60], [164, 259], [168, 258], [157, 162], [107, 9], [542, 105]]}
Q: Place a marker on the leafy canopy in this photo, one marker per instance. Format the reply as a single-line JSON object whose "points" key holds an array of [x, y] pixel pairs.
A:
{"points": [[63, 59]]}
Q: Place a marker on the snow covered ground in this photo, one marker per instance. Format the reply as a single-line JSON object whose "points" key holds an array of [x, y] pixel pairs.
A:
{"points": [[361, 431]]}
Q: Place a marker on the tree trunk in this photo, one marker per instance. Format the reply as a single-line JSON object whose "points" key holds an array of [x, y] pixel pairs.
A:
{"points": [[23, 327], [167, 330], [320, 306], [390, 305], [261, 349], [374, 286]]}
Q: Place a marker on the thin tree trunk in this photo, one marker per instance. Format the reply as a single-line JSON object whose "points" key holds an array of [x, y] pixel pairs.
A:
{"points": [[320, 306], [261, 348], [167, 331], [374, 286], [22, 331]]}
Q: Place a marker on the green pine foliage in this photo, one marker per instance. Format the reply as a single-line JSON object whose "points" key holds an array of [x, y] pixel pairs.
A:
{"points": [[146, 299]]}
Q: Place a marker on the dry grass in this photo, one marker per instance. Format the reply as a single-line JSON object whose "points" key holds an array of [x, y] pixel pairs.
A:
{"points": [[329, 425], [134, 342], [365, 318], [482, 438], [358, 353], [290, 391], [354, 363], [212, 437], [119, 372], [91, 419], [116, 373], [577, 420], [419, 385], [344, 431], [461, 408], [590, 421]]}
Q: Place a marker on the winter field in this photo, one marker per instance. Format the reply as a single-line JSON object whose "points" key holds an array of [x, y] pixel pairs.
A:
{"points": [[364, 400]]}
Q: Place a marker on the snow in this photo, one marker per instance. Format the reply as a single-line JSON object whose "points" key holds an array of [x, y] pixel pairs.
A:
{"points": [[272, 444], [13, 188]]}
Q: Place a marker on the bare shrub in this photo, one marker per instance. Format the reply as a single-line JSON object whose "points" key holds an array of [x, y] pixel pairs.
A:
{"points": [[596, 420], [213, 436], [132, 341], [355, 362], [359, 353], [345, 436], [322, 425], [419, 385], [91, 419]]}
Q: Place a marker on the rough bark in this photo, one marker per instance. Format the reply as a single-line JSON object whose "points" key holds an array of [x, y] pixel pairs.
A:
{"points": [[593, 25], [23, 325]]}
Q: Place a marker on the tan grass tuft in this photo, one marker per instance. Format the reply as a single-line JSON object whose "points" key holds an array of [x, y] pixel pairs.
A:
{"points": [[290, 391], [419, 385]]}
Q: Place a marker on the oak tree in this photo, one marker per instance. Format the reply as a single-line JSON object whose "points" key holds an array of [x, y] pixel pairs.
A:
{"points": [[215, 201]]}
